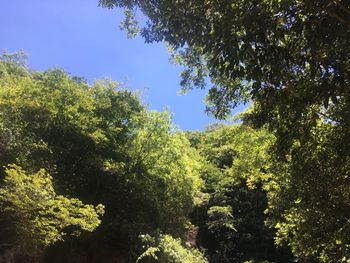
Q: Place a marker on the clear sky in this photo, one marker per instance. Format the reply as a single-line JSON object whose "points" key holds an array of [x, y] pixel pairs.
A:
{"points": [[85, 40]]}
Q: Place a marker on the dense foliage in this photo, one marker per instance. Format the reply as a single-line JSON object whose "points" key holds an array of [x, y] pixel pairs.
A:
{"points": [[309, 195], [291, 58], [36, 216], [100, 145], [231, 222], [166, 249], [89, 174], [295, 52]]}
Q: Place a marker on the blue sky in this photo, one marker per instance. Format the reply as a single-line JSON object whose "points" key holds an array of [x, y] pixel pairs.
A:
{"points": [[85, 40]]}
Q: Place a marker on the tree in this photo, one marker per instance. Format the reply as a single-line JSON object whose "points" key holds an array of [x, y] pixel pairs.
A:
{"points": [[309, 195], [170, 172], [291, 58], [166, 249], [35, 217], [101, 145], [232, 221], [276, 50]]}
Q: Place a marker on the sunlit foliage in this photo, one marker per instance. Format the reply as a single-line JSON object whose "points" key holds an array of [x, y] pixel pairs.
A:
{"points": [[291, 58], [166, 249], [35, 217], [101, 145], [232, 221]]}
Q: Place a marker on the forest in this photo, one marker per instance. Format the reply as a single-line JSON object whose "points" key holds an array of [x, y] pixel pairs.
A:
{"points": [[88, 173]]}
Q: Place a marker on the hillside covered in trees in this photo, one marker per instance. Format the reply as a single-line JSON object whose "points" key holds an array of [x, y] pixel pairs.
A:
{"points": [[88, 173]]}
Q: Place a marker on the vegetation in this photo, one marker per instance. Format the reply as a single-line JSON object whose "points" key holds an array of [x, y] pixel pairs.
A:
{"points": [[37, 217], [291, 59], [89, 174], [100, 145], [231, 221], [165, 248]]}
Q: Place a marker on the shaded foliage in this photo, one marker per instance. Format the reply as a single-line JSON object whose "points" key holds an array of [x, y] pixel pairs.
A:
{"points": [[232, 221]]}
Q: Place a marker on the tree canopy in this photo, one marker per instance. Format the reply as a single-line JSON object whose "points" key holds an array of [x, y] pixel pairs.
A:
{"points": [[291, 60], [99, 144], [291, 53], [232, 220], [90, 174], [37, 216]]}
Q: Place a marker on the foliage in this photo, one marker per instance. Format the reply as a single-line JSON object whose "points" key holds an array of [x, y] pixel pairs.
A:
{"points": [[292, 59], [231, 222], [171, 170], [38, 216], [292, 52], [166, 249], [309, 195], [101, 145]]}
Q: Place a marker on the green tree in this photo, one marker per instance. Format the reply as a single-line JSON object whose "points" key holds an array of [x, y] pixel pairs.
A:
{"points": [[291, 53], [166, 249], [309, 195], [292, 59], [35, 217], [170, 169], [232, 220], [101, 145]]}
